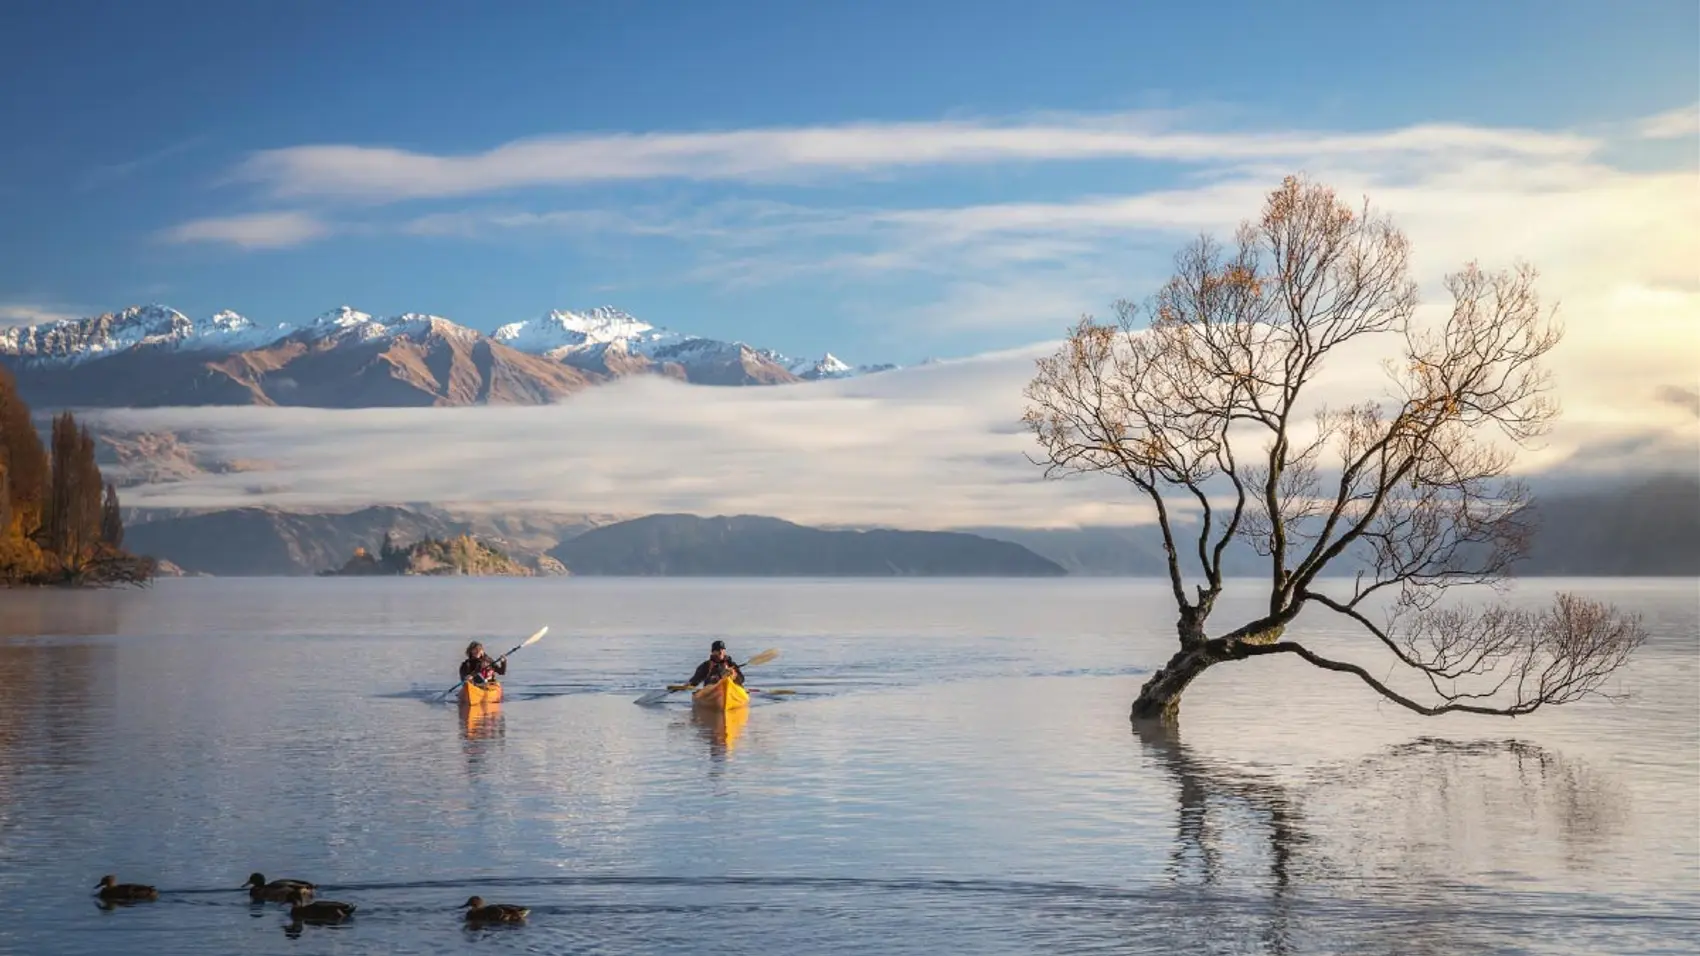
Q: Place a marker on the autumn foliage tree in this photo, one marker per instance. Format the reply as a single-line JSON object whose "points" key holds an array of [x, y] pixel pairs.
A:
{"points": [[55, 526], [73, 509], [1205, 403], [111, 519], [24, 459]]}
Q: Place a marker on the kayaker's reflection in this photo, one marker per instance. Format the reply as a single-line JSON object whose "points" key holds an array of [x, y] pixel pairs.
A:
{"points": [[720, 728], [481, 721], [482, 730]]}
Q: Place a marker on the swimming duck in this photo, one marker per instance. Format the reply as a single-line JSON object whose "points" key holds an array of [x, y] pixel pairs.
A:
{"points": [[478, 912], [277, 891], [113, 891], [319, 911]]}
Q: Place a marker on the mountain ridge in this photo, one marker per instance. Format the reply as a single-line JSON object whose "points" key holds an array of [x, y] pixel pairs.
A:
{"points": [[684, 545], [1644, 527], [153, 355]]}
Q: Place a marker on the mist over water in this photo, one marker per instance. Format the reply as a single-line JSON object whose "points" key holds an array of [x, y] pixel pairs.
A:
{"points": [[954, 773]]}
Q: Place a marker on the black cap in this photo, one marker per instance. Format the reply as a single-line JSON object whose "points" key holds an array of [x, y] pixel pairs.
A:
{"points": [[717, 646]]}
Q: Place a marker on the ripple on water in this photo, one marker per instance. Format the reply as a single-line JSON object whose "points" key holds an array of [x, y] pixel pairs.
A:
{"points": [[955, 775]]}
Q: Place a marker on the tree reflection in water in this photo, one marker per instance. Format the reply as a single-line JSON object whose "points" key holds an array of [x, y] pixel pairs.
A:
{"points": [[1217, 811], [1380, 850]]}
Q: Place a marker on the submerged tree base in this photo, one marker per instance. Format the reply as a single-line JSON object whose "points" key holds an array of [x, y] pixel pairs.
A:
{"points": [[1159, 701]]}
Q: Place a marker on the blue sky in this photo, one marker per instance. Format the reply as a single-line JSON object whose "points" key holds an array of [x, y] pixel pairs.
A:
{"points": [[886, 180]]}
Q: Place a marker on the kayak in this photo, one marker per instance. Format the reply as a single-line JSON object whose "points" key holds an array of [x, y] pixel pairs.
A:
{"points": [[726, 694], [471, 693]]}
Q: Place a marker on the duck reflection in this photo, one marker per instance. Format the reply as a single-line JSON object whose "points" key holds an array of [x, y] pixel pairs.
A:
{"points": [[1382, 825]]}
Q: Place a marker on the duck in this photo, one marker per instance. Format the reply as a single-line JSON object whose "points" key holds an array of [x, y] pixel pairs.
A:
{"points": [[115, 892], [319, 911], [277, 891], [477, 911]]}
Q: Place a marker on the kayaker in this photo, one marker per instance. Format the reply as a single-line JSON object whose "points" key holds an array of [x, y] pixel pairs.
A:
{"points": [[478, 667], [718, 665]]}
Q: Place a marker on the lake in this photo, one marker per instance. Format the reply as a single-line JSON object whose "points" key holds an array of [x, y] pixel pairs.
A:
{"points": [[955, 773]]}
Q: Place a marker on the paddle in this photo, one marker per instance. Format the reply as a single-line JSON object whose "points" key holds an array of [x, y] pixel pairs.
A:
{"points": [[533, 639], [655, 696]]}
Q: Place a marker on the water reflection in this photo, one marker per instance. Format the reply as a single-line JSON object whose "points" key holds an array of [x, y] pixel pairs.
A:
{"points": [[110, 906], [720, 729], [1215, 810], [48, 612], [57, 695], [481, 721], [483, 732], [294, 928], [1474, 806], [1409, 827]]}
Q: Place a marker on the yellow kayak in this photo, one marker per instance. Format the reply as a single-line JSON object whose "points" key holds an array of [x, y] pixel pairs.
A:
{"points": [[727, 694], [471, 693]]}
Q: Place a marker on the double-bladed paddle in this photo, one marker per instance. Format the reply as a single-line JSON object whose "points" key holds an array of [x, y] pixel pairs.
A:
{"points": [[656, 696], [533, 639]]}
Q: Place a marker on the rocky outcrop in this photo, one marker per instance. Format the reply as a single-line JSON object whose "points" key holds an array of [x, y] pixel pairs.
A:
{"points": [[462, 555]]}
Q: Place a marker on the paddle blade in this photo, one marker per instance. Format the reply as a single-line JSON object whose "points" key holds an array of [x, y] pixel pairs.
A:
{"points": [[653, 697], [763, 657], [533, 639]]}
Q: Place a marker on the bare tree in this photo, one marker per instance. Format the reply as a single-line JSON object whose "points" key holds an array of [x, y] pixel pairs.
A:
{"points": [[1208, 410]]}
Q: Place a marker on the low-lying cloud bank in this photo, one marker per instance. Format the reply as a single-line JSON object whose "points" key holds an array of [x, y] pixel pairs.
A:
{"points": [[931, 447]]}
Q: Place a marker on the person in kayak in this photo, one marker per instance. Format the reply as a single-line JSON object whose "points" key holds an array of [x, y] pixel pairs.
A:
{"points": [[718, 665], [478, 667]]}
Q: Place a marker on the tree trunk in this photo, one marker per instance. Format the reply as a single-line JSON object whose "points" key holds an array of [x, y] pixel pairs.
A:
{"points": [[1160, 698]]}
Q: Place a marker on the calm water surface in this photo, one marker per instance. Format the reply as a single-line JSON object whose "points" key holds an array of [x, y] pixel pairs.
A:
{"points": [[955, 774]]}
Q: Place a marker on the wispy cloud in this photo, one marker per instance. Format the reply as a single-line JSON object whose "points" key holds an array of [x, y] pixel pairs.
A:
{"points": [[34, 313], [1687, 399], [469, 224], [379, 174], [265, 230], [1680, 123], [110, 173], [1616, 245]]}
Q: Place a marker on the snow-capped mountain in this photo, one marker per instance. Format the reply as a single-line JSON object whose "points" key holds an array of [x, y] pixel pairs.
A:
{"points": [[72, 341], [561, 333], [154, 355], [831, 366], [590, 340]]}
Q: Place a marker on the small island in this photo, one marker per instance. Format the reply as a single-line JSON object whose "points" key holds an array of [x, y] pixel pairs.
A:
{"points": [[460, 555]]}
